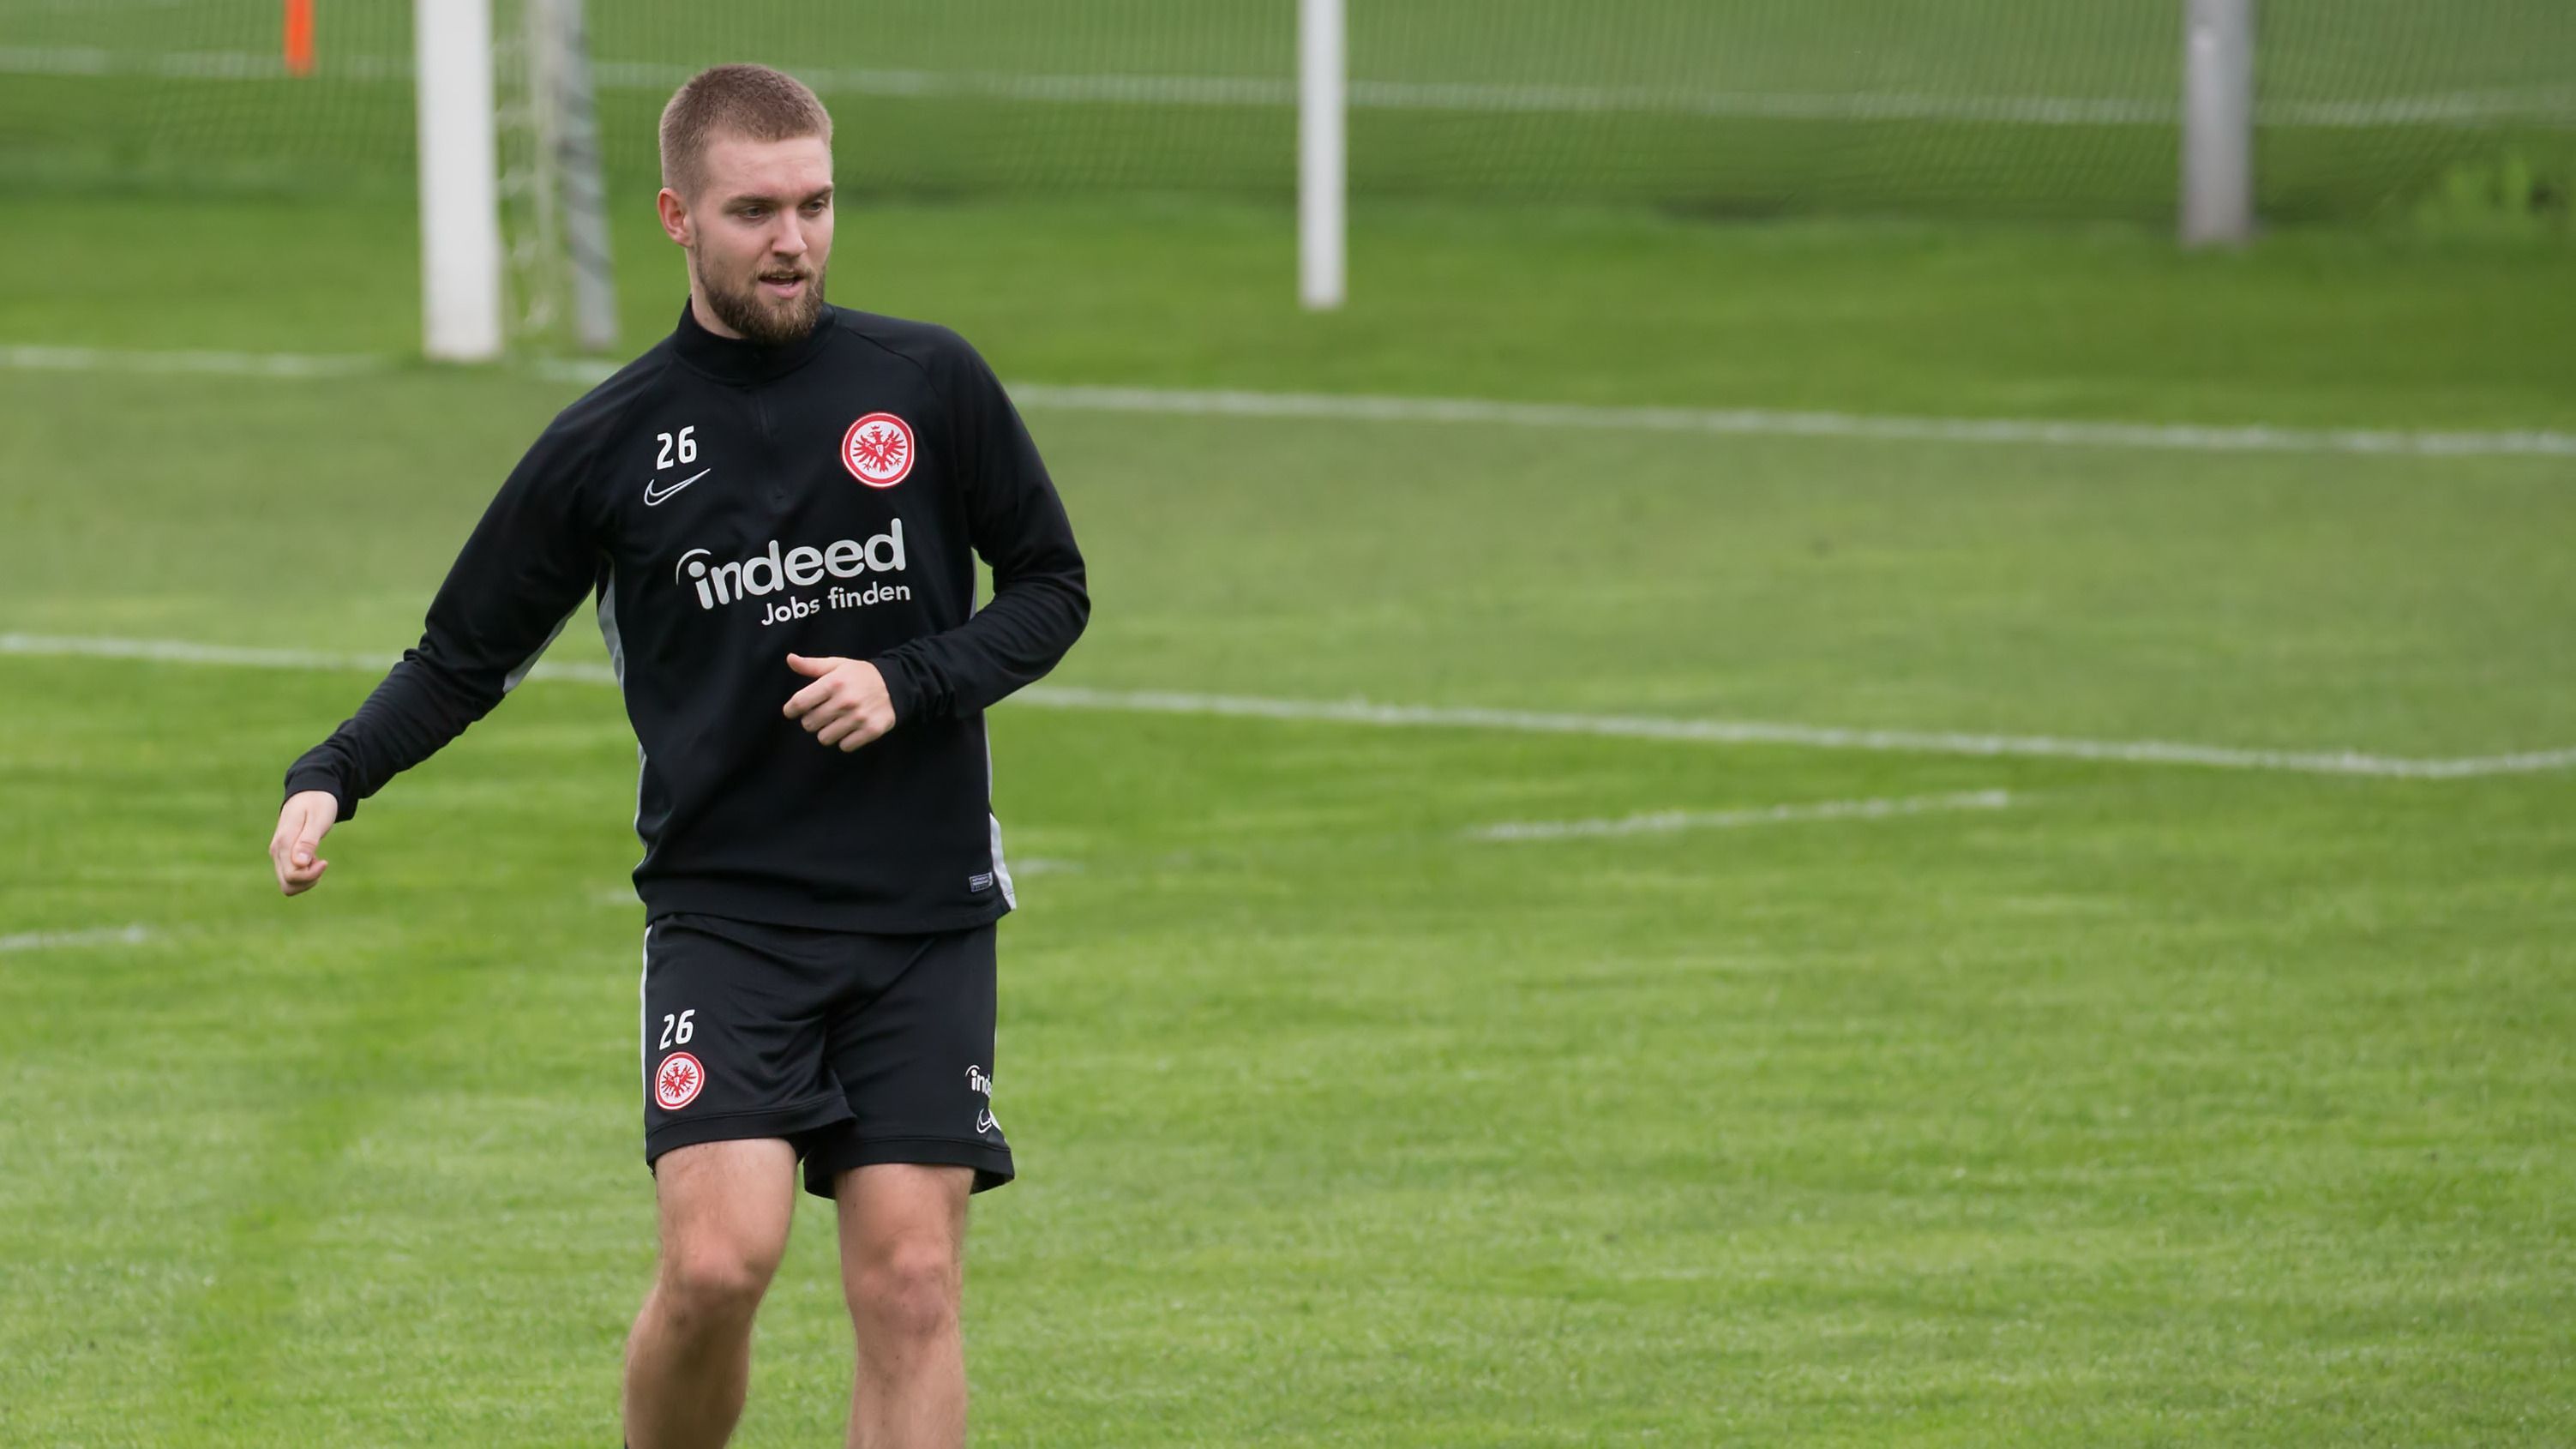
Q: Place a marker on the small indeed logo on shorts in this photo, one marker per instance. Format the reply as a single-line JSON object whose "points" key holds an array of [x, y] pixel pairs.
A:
{"points": [[677, 1082], [977, 1081], [982, 881], [878, 450]]}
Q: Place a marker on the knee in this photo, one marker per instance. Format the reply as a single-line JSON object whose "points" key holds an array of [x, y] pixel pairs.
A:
{"points": [[908, 1291], [714, 1282]]}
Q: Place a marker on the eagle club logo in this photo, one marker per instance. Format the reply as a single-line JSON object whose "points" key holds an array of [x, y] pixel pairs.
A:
{"points": [[677, 1080], [878, 450]]}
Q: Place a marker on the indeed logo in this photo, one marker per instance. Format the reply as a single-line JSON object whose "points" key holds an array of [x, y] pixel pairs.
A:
{"points": [[767, 573]]}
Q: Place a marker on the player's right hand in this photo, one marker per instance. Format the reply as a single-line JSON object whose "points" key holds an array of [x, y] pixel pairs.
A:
{"points": [[296, 847]]}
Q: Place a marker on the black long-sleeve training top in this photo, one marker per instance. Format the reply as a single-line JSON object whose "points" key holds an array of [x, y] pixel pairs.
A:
{"points": [[726, 504]]}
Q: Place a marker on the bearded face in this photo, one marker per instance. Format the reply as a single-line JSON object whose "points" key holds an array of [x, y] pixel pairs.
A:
{"points": [[759, 234]]}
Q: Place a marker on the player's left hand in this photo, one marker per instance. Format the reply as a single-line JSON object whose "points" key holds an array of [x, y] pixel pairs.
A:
{"points": [[846, 705]]}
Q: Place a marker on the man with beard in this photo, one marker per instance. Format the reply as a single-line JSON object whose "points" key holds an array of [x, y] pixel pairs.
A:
{"points": [[776, 511]]}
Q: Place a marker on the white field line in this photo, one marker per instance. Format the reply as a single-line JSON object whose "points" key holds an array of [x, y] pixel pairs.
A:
{"points": [[2549, 106], [1668, 822], [1481, 412], [29, 358], [1403, 716], [182, 651], [1759, 732], [2250, 438], [55, 940], [1045, 865]]}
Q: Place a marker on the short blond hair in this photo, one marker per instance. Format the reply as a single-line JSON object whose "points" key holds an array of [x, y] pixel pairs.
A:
{"points": [[752, 101]]}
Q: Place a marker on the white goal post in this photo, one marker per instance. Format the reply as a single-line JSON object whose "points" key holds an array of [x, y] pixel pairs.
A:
{"points": [[546, 269], [1323, 179], [2216, 179], [460, 181], [2217, 122]]}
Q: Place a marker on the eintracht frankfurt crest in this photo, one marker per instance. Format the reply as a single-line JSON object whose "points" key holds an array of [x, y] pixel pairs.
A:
{"points": [[676, 1084], [878, 450]]}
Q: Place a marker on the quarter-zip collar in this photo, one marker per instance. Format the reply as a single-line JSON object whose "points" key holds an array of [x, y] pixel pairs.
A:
{"points": [[740, 360]]}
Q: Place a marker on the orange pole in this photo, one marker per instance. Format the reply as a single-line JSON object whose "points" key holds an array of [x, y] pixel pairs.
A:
{"points": [[299, 37]]}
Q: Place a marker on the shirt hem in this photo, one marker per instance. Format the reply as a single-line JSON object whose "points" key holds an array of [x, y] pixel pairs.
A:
{"points": [[799, 908]]}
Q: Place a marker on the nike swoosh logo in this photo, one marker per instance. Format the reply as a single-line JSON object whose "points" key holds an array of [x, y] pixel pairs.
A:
{"points": [[653, 497], [984, 1123]]}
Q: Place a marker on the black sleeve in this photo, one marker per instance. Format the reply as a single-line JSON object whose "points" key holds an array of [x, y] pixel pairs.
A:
{"points": [[524, 570], [1017, 525]]}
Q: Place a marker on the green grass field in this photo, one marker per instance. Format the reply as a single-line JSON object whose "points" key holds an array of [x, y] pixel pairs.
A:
{"points": [[2159, 1105]]}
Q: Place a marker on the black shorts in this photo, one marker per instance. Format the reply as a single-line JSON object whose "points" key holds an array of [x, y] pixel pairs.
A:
{"points": [[855, 1048]]}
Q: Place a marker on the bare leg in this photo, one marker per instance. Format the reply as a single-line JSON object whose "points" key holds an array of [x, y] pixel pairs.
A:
{"points": [[903, 1244], [725, 1210]]}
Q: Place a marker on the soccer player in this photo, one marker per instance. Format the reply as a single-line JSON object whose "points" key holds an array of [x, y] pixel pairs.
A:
{"points": [[775, 511]]}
